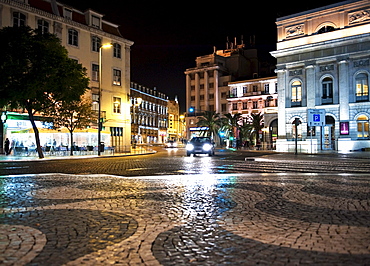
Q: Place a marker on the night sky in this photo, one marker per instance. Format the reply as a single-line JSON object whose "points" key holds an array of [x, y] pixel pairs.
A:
{"points": [[168, 36]]}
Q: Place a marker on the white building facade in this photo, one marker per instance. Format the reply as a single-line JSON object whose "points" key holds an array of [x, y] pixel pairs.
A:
{"points": [[82, 33], [257, 96], [323, 64]]}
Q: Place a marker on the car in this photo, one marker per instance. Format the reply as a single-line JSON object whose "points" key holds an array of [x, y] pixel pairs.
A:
{"points": [[200, 145], [171, 144]]}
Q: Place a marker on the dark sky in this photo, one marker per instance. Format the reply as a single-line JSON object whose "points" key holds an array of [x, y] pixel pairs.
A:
{"points": [[169, 35]]}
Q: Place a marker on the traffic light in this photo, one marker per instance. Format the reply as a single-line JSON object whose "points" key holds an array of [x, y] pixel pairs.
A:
{"points": [[191, 111]]}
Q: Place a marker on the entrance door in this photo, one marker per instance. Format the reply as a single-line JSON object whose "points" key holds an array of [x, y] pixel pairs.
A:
{"points": [[326, 138], [328, 134]]}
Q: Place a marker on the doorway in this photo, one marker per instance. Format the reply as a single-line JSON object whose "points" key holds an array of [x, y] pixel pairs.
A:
{"points": [[328, 134]]}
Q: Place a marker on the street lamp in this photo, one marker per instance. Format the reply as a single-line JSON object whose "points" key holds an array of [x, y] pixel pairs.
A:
{"points": [[100, 124]]}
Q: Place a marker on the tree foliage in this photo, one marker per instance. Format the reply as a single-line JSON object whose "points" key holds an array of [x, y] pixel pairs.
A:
{"points": [[36, 73], [211, 120], [76, 114]]}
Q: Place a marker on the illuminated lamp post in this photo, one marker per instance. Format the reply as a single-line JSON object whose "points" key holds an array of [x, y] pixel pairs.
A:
{"points": [[100, 124], [138, 101]]}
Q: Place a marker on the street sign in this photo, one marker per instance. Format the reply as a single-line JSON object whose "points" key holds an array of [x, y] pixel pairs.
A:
{"points": [[316, 117]]}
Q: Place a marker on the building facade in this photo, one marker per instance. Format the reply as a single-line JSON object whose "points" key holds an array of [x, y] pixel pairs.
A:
{"points": [[256, 96], [207, 83], [149, 115], [173, 130], [83, 33], [323, 67]]}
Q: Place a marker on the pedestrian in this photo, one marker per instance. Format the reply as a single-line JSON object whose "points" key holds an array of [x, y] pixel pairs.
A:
{"points": [[7, 146]]}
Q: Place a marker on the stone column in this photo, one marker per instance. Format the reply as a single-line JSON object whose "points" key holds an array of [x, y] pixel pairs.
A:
{"points": [[197, 92], [217, 92], [310, 86], [282, 85], [343, 90], [206, 91]]}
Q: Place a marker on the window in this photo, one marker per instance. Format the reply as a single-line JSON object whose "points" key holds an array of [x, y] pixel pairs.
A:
{"points": [[325, 29], [255, 104], [223, 107], [95, 22], [116, 77], [245, 105], [68, 13], [245, 89], [43, 26], [362, 89], [235, 106], [117, 50], [95, 72], [116, 105], [73, 37], [255, 88], [95, 102], [267, 88], [363, 127], [327, 91], [19, 19], [95, 43], [116, 131], [296, 93]]}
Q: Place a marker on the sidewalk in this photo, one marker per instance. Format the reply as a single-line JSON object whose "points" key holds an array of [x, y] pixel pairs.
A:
{"points": [[136, 151]]}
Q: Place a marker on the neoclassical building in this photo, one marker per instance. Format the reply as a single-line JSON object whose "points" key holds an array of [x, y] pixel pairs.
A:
{"points": [[323, 66], [82, 33]]}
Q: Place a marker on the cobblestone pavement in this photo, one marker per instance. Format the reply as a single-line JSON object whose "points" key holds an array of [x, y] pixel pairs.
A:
{"points": [[209, 219]]}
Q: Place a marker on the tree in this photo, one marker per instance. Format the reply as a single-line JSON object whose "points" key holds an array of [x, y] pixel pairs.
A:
{"points": [[231, 124], [212, 120], [36, 73], [76, 114], [257, 124]]}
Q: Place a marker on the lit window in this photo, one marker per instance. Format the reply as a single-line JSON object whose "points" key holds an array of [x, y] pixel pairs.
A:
{"points": [[296, 93], [116, 105], [363, 127], [362, 88], [73, 37], [116, 77]]}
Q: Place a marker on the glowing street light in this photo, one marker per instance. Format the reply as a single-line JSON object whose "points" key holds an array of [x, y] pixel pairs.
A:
{"points": [[100, 124]]}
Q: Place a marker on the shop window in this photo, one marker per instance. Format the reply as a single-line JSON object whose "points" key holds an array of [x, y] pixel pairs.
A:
{"points": [[363, 127], [362, 88]]}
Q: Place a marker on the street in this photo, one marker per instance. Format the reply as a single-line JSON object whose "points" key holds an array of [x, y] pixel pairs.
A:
{"points": [[238, 207]]}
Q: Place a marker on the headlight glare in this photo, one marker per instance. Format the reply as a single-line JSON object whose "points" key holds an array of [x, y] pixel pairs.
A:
{"points": [[207, 147], [189, 147]]}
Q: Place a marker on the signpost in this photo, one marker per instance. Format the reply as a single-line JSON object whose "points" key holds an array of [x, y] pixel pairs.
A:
{"points": [[315, 117]]}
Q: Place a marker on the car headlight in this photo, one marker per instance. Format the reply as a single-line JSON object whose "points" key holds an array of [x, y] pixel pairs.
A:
{"points": [[207, 147], [189, 147]]}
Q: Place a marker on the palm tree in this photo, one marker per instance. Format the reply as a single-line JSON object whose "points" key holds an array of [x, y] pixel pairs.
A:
{"points": [[212, 120], [257, 124], [231, 123], [246, 131]]}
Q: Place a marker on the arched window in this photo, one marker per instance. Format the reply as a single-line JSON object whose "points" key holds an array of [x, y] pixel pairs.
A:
{"points": [[325, 29], [362, 88], [327, 90], [363, 127], [296, 93]]}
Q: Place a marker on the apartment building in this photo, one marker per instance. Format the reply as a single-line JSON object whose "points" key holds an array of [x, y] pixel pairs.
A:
{"points": [[256, 96], [83, 33], [149, 115]]}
